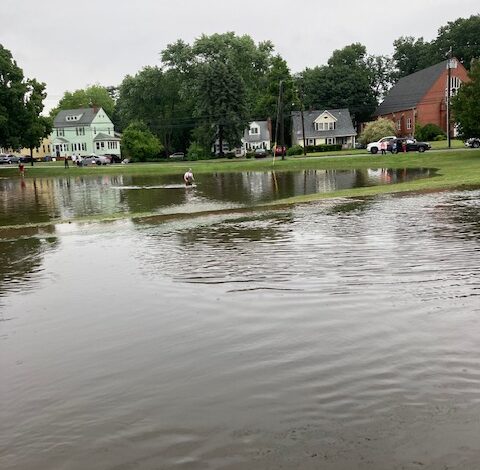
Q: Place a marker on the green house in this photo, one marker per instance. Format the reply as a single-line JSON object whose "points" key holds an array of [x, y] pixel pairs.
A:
{"points": [[83, 132]]}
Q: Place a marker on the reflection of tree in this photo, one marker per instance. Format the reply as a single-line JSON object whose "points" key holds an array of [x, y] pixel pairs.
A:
{"points": [[22, 256]]}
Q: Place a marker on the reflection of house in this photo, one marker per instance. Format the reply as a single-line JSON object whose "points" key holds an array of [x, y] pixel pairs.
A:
{"points": [[256, 135], [421, 97], [331, 126], [84, 131]]}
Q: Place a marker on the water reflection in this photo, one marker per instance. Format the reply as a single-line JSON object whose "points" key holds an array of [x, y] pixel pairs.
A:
{"points": [[347, 330], [43, 200]]}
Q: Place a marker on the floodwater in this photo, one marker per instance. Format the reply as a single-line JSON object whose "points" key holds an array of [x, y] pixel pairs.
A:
{"points": [[42, 200], [341, 334]]}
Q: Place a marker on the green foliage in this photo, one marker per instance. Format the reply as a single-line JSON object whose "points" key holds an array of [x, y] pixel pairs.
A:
{"points": [[344, 83], [375, 130], [323, 148], [295, 150], [465, 105], [21, 102], [139, 143], [440, 137], [95, 96], [154, 97], [428, 132], [197, 152], [412, 55]]}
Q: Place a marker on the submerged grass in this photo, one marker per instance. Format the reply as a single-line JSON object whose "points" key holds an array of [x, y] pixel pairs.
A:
{"points": [[455, 169]]}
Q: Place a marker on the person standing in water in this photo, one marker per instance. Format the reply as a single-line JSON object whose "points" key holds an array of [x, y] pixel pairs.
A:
{"points": [[188, 177]]}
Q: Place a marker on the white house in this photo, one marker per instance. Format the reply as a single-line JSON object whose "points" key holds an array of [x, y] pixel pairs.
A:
{"points": [[84, 131], [330, 126]]}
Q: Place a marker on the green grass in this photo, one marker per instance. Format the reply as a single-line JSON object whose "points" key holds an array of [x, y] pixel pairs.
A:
{"points": [[443, 144], [455, 169]]}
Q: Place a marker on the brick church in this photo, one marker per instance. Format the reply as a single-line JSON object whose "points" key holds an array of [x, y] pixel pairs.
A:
{"points": [[421, 97]]}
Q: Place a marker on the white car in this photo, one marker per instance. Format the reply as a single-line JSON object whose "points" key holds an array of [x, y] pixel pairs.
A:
{"points": [[374, 147]]}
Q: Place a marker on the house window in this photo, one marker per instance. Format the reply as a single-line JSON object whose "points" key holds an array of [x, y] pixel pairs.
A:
{"points": [[330, 140], [254, 130], [409, 123], [80, 130], [310, 141], [398, 125], [112, 145], [100, 145], [84, 146], [60, 132], [331, 126]]}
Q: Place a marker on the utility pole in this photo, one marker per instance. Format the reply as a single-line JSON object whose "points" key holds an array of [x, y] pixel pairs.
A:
{"points": [[282, 127], [303, 120], [449, 90]]}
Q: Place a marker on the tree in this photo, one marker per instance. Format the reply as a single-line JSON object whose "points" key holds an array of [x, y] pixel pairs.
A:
{"points": [[94, 96], [465, 105], [21, 102], [382, 74], [220, 102], [462, 36], [12, 92], [242, 65], [35, 126], [139, 143], [375, 130], [153, 96], [344, 83], [412, 55]]}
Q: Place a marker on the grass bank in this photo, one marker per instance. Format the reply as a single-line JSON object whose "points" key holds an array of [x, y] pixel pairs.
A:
{"points": [[455, 169]]}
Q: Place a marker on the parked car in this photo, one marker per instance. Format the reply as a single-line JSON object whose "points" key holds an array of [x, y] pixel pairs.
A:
{"points": [[412, 145], [9, 159], [473, 142], [104, 160], [374, 147], [359, 146], [260, 153], [90, 160], [177, 156], [114, 158], [4, 159]]}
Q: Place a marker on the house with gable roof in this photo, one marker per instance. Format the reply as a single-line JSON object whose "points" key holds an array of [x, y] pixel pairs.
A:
{"points": [[256, 135], [84, 131], [421, 97], [328, 126]]}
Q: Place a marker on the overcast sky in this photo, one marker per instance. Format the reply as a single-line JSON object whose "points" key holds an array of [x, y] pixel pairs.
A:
{"points": [[72, 44]]}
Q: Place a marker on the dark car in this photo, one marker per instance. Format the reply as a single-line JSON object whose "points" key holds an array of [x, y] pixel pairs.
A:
{"points": [[473, 142], [260, 153], [396, 145]]}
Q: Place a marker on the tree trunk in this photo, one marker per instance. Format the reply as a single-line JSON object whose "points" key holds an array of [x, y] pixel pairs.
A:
{"points": [[31, 156]]}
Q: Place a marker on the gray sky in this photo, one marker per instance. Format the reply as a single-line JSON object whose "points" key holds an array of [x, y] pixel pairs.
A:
{"points": [[70, 45]]}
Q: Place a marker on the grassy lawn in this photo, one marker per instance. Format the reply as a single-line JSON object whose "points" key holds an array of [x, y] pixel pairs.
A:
{"points": [[443, 144], [456, 169]]}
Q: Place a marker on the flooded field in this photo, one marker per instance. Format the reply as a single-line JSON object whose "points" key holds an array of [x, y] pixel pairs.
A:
{"points": [[335, 335]]}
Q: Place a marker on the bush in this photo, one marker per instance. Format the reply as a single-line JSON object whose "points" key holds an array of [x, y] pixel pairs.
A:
{"points": [[323, 148], [295, 150], [249, 155], [196, 152], [375, 130], [139, 143], [440, 137], [428, 132]]}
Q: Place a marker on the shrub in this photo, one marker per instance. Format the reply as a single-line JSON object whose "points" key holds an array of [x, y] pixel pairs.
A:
{"points": [[249, 155], [323, 148], [196, 152], [139, 143], [375, 130], [295, 150], [440, 137], [428, 132]]}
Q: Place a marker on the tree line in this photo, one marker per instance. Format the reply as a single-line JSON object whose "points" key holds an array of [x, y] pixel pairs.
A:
{"points": [[209, 90]]}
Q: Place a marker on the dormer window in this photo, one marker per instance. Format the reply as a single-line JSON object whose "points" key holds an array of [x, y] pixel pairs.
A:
{"points": [[254, 131], [73, 117]]}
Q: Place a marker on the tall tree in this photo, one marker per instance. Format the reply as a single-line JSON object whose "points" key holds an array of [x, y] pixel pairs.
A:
{"points": [[412, 55], [21, 102], [463, 36], [94, 96], [35, 126], [465, 104], [153, 96], [344, 83], [220, 102]]}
